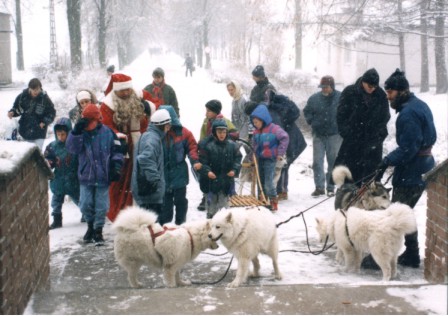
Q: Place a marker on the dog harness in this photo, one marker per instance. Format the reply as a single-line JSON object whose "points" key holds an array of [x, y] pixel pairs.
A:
{"points": [[346, 228], [160, 233]]}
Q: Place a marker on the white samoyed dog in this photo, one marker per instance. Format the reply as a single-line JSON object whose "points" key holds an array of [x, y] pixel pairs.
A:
{"points": [[378, 232], [141, 240], [246, 232]]}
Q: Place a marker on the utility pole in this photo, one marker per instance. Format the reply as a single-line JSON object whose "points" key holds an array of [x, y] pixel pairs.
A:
{"points": [[53, 45]]}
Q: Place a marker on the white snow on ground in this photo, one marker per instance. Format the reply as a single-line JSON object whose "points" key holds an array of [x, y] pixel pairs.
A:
{"points": [[297, 268]]}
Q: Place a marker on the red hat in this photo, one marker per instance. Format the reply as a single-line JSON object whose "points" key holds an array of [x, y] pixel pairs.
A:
{"points": [[93, 114], [118, 82]]}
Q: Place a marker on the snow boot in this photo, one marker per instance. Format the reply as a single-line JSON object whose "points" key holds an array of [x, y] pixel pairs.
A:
{"points": [[57, 221], [201, 206], [88, 237], [369, 263], [410, 257], [274, 204], [98, 236]]}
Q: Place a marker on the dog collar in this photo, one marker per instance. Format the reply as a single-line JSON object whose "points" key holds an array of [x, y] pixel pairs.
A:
{"points": [[160, 233]]}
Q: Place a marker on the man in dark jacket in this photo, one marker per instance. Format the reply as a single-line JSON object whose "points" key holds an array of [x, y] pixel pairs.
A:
{"points": [[261, 92], [320, 113], [162, 92], [415, 135], [36, 112], [362, 117]]}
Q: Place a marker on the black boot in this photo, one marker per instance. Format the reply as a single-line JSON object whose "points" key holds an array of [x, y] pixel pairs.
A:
{"points": [[369, 263], [98, 236], [410, 257], [88, 237], [201, 206], [57, 221]]}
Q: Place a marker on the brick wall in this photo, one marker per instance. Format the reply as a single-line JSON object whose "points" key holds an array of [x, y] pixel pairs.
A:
{"points": [[437, 226], [24, 241]]}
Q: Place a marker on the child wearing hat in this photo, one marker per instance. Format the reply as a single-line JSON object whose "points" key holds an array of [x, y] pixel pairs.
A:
{"points": [[221, 163], [100, 162], [83, 97]]}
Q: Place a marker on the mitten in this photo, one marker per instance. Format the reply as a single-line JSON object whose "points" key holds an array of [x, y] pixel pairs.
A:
{"points": [[80, 126], [381, 169]]}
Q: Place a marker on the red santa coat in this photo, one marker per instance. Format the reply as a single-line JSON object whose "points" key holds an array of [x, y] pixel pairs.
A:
{"points": [[120, 192]]}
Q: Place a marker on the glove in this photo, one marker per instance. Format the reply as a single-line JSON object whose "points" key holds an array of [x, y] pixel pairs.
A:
{"points": [[115, 174], [80, 126], [381, 169]]}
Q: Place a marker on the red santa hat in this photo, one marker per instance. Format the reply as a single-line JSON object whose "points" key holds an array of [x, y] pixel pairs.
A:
{"points": [[118, 82]]}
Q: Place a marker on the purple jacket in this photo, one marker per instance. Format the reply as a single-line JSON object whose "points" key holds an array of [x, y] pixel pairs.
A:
{"points": [[98, 152]]}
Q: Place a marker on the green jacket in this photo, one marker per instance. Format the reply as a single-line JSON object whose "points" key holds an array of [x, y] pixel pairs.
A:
{"points": [[164, 94]]}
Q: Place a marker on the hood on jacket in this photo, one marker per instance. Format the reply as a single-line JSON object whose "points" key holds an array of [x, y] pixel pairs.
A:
{"points": [[64, 123], [261, 112], [175, 122]]}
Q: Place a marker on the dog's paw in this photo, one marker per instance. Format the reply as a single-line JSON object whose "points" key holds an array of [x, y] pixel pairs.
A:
{"points": [[184, 282], [278, 276], [254, 274], [136, 285], [233, 284]]}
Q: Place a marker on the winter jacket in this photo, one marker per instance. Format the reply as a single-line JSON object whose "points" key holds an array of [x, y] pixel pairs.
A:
{"points": [[65, 164], [177, 144], [32, 112], [271, 141], [320, 113], [415, 135], [220, 157], [261, 92], [75, 113], [206, 128], [98, 153], [149, 159], [362, 123], [164, 94], [239, 117]]}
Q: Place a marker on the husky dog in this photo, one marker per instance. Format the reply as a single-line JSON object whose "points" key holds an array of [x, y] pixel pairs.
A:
{"points": [[246, 232], [375, 197], [378, 232], [141, 240]]}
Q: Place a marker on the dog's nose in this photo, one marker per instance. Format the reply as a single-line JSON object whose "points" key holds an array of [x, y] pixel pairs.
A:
{"points": [[210, 236]]}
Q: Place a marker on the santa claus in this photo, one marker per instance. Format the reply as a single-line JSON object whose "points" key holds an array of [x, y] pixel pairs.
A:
{"points": [[126, 111]]}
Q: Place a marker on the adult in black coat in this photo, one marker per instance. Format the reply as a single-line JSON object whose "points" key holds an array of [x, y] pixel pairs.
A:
{"points": [[362, 116], [263, 88], [36, 112]]}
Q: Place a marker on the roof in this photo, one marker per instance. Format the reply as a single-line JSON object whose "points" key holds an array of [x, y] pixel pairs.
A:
{"points": [[13, 155], [430, 175]]}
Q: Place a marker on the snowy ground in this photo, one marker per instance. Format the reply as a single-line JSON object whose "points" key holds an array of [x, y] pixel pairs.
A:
{"points": [[297, 268]]}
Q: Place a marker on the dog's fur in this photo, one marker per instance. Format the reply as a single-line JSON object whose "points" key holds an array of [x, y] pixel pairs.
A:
{"points": [[375, 197], [133, 245], [246, 232], [378, 232]]}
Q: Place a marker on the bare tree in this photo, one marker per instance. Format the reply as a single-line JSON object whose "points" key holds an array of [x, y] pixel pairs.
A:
{"points": [[19, 35], [103, 26], [74, 29], [439, 47], [298, 33], [424, 73]]}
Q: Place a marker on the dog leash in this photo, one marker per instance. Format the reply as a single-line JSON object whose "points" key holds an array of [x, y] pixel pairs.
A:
{"points": [[220, 279]]}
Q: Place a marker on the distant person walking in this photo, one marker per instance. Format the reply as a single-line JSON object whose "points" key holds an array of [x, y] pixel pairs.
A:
{"points": [[362, 117], [36, 111], [262, 90], [189, 65], [320, 114]]}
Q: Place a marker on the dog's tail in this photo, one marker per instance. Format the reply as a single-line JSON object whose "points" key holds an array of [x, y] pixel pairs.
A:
{"points": [[133, 218], [341, 174], [403, 218]]}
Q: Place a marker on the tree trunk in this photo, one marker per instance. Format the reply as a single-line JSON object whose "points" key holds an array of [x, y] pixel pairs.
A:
{"points": [[441, 72], [424, 75], [19, 35], [102, 31], [298, 34], [401, 37], [205, 37], [74, 30]]}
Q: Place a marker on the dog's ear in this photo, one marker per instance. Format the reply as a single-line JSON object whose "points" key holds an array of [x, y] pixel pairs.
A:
{"points": [[208, 226], [318, 221], [229, 217]]}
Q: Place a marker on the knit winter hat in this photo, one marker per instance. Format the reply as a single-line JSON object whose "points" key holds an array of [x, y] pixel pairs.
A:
{"points": [[83, 95], [327, 81], [161, 117], [214, 105], [397, 81], [158, 72], [258, 72], [111, 68], [371, 77], [118, 82], [92, 113]]}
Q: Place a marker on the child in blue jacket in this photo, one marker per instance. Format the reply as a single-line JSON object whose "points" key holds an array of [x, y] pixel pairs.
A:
{"points": [[100, 162], [65, 166], [269, 142]]}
